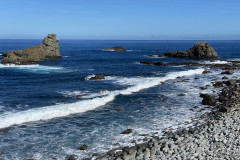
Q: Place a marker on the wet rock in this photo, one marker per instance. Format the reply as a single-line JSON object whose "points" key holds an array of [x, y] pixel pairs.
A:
{"points": [[80, 96], [128, 131], [181, 94], [84, 147], [134, 141], [71, 157], [227, 72], [230, 82], [223, 99], [209, 100], [116, 49], [97, 77], [206, 72], [225, 77], [159, 64], [49, 49], [218, 84], [96, 155], [153, 56], [178, 54], [147, 62], [224, 109]]}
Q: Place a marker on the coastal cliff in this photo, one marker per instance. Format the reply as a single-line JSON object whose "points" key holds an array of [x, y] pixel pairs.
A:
{"points": [[49, 49]]}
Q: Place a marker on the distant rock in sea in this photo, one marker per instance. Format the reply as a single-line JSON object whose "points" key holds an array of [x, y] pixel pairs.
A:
{"points": [[199, 50], [49, 49], [116, 49]]}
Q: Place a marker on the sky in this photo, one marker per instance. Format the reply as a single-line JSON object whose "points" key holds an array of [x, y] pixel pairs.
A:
{"points": [[121, 19]]}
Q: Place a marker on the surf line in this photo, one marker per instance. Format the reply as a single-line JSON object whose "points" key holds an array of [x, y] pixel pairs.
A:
{"points": [[63, 110]]}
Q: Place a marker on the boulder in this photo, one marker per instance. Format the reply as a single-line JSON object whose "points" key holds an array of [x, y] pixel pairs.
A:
{"points": [[209, 100], [227, 72], [49, 49], [230, 82], [206, 72], [97, 77], [199, 50], [218, 84], [116, 49]]}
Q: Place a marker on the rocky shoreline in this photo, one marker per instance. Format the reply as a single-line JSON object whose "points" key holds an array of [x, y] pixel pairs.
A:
{"points": [[216, 138], [214, 135]]}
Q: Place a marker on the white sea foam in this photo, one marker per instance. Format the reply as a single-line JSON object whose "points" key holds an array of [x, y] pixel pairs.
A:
{"points": [[62, 110], [72, 93], [214, 62], [90, 76], [34, 68]]}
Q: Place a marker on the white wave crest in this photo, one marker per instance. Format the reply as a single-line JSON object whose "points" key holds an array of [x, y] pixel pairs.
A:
{"points": [[62, 110], [214, 62], [34, 68]]}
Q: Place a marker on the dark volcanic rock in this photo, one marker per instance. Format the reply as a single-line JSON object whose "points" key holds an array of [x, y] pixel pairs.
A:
{"points": [[178, 54], [84, 147], [206, 72], [147, 62], [128, 131], [49, 49], [218, 84], [199, 50], [209, 100], [225, 77], [227, 72], [97, 77], [71, 157], [116, 49], [230, 82]]}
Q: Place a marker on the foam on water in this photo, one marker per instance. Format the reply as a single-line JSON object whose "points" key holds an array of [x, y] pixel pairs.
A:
{"points": [[36, 68], [214, 62], [62, 110]]}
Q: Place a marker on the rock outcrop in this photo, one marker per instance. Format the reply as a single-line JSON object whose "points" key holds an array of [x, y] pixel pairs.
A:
{"points": [[199, 50], [116, 49], [49, 49], [97, 77]]}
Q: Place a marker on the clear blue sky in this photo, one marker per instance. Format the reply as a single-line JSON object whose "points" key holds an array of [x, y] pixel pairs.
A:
{"points": [[121, 19]]}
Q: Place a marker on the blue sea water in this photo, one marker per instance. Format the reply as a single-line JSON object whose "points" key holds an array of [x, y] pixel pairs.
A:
{"points": [[46, 120]]}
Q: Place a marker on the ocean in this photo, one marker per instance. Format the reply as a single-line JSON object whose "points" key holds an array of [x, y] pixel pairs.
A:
{"points": [[52, 108]]}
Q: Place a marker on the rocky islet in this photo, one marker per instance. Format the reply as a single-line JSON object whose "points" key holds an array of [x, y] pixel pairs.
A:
{"points": [[48, 49]]}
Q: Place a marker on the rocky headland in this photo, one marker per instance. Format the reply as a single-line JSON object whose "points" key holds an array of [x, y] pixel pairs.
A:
{"points": [[116, 49], [49, 49]]}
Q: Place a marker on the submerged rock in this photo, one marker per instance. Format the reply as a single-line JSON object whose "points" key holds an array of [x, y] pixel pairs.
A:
{"points": [[199, 50], [49, 49], [116, 49]]}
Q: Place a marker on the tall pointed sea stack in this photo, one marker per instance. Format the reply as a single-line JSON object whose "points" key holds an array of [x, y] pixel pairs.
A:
{"points": [[49, 49]]}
